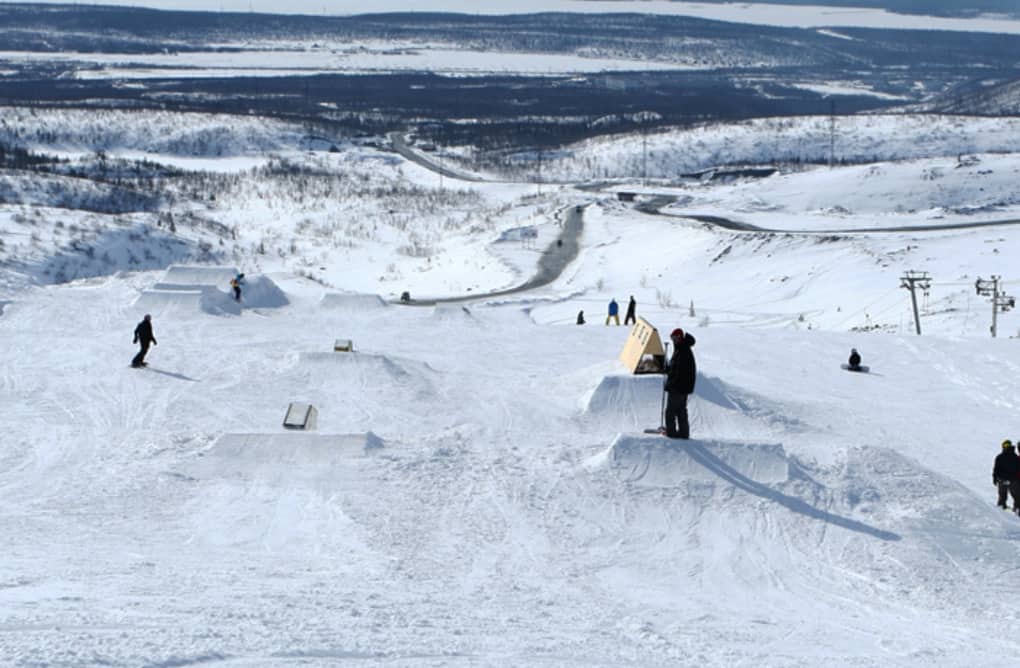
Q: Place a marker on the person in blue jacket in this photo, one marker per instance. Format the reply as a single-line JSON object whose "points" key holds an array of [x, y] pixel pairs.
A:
{"points": [[614, 312]]}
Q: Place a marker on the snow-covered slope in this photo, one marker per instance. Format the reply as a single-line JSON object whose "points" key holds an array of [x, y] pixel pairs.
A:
{"points": [[478, 490], [461, 506]]}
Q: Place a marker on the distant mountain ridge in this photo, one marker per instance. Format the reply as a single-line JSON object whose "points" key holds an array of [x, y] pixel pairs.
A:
{"points": [[945, 8]]}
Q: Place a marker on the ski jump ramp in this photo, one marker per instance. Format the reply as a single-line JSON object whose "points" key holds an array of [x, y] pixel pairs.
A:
{"points": [[199, 275]]}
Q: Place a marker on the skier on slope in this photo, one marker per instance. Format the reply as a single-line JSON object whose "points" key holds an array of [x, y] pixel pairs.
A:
{"points": [[1006, 475], [680, 377], [143, 337]]}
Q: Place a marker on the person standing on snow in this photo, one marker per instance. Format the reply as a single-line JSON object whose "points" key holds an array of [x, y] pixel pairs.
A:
{"points": [[680, 378], [235, 283], [143, 337], [631, 318], [614, 312], [1006, 475]]}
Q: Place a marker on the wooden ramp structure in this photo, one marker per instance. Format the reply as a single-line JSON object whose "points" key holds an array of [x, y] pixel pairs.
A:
{"points": [[643, 352]]}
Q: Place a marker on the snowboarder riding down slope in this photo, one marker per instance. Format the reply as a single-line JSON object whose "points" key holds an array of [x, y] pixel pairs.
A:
{"points": [[855, 360], [143, 337], [1006, 475], [680, 377]]}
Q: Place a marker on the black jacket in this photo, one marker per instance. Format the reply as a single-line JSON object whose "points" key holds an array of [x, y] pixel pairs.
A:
{"points": [[682, 370], [1007, 466], [855, 359], [143, 332]]}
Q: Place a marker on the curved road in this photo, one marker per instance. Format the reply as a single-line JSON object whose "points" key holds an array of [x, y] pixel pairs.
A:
{"points": [[654, 207], [564, 249], [555, 258]]}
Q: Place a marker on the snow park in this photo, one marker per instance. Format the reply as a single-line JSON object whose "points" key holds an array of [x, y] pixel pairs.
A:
{"points": [[415, 436]]}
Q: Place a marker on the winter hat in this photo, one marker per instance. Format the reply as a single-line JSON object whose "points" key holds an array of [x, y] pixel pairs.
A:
{"points": [[677, 334], [1007, 443]]}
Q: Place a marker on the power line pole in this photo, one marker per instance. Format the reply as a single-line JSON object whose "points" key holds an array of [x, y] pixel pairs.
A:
{"points": [[1000, 300], [912, 280]]}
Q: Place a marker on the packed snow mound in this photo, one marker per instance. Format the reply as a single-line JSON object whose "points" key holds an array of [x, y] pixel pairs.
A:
{"points": [[633, 401], [366, 366], [657, 461], [286, 458], [256, 291], [262, 292], [180, 274], [187, 298], [453, 313], [352, 301]]}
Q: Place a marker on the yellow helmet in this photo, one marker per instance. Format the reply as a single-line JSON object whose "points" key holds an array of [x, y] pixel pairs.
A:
{"points": [[1007, 443]]}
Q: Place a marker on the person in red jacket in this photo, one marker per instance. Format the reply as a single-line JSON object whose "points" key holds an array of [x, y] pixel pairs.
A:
{"points": [[1006, 475], [680, 377]]}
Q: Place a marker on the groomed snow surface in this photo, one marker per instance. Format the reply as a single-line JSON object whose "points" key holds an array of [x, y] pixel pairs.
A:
{"points": [[479, 492]]}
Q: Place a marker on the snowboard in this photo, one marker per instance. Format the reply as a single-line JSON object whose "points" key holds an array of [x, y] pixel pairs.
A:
{"points": [[657, 430], [861, 369]]}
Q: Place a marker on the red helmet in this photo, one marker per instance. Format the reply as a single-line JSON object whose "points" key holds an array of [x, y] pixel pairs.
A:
{"points": [[677, 334]]}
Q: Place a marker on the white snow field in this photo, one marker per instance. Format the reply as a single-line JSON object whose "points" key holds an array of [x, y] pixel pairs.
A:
{"points": [[478, 490]]}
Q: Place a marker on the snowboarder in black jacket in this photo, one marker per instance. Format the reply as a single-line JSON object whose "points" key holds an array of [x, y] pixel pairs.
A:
{"points": [[143, 337], [631, 317], [680, 377], [855, 360], [1006, 475]]}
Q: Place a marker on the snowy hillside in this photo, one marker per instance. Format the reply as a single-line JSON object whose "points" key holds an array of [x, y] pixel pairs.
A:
{"points": [[478, 489]]}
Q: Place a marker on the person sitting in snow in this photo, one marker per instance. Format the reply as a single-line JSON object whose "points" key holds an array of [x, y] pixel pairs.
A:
{"points": [[580, 317], [855, 360], [1006, 475]]}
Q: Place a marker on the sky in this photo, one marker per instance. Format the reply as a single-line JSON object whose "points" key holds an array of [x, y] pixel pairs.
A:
{"points": [[757, 13], [478, 488]]}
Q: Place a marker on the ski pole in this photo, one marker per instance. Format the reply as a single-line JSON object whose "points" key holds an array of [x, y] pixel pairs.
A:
{"points": [[662, 410]]}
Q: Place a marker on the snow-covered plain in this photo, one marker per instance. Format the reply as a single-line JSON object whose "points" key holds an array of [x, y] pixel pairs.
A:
{"points": [[478, 490]]}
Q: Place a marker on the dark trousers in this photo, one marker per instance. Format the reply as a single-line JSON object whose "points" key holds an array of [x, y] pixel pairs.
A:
{"points": [[139, 359], [676, 415], [1013, 488], [629, 319], [237, 293]]}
